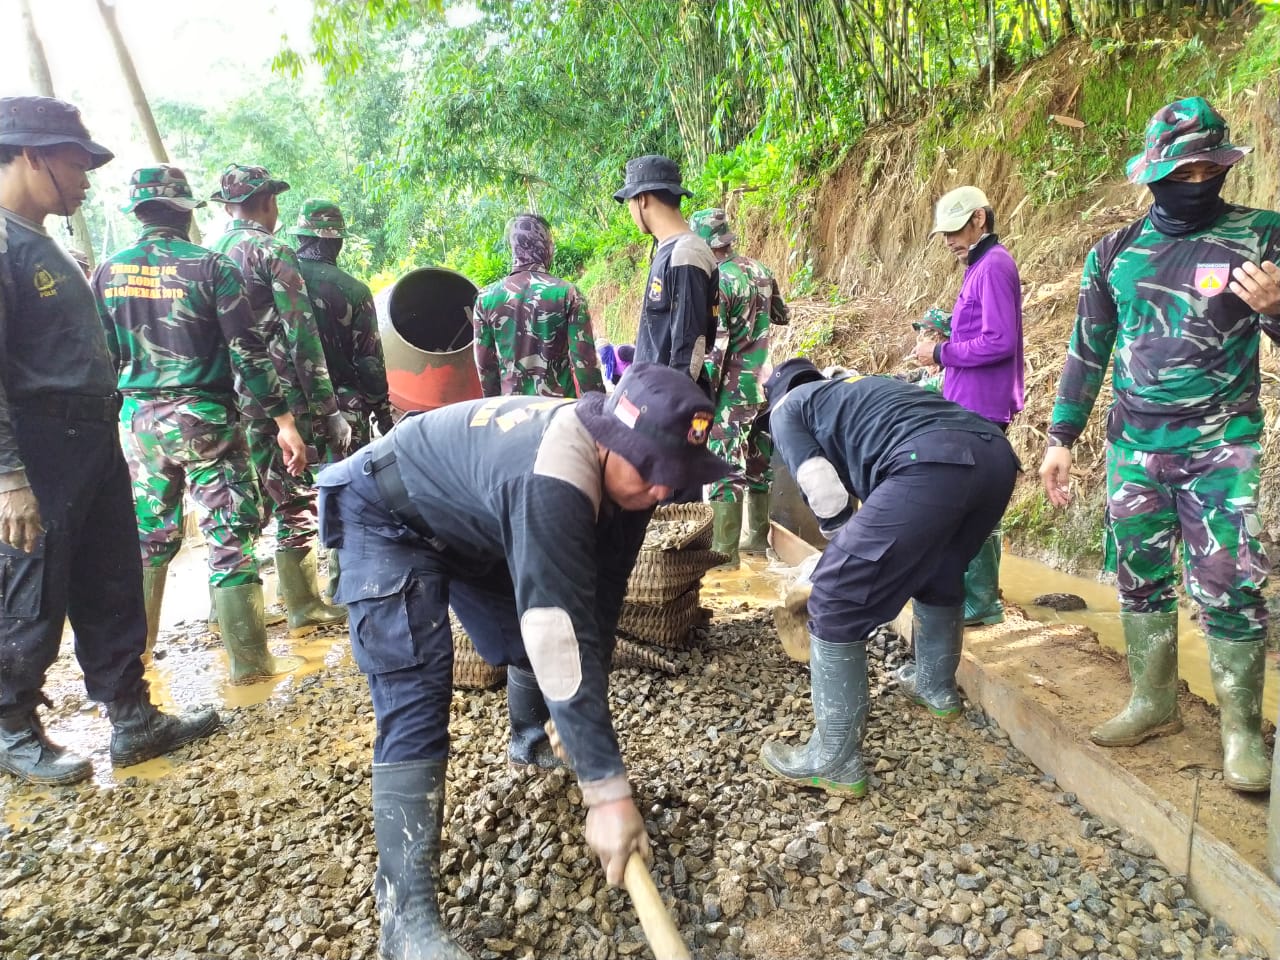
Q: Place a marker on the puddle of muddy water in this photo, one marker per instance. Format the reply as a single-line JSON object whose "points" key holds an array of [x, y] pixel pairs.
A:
{"points": [[1022, 580]]}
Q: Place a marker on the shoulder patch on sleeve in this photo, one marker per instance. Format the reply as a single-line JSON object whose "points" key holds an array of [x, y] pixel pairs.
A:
{"points": [[822, 487], [568, 452], [552, 646], [692, 251]]}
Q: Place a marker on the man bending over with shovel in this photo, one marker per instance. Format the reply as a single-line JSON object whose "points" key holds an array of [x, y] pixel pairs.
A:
{"points": [[526, 515]]}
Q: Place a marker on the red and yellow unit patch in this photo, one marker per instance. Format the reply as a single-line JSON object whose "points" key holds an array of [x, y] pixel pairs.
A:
{"points": [[1211, 278]]}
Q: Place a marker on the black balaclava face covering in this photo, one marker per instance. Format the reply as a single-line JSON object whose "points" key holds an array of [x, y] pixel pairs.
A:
{"points": [[1181, 207], [320, 248]]}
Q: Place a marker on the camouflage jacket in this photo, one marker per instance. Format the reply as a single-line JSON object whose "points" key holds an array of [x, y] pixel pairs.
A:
{"points": [[749, 303], [533, 337], [348, 327], [1184, 348], [278, 297], [178, 321]]}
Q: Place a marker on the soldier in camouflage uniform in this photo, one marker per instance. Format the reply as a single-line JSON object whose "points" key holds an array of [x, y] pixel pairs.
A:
{"points": [[934, 327], [749, 303], [181, 333], [278, 297], [345, 318], [532, 330], [348, 326], [1176, 302]]}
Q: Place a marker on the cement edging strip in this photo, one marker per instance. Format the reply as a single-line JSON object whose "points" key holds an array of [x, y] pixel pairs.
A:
{"points": [[1219, 879]]}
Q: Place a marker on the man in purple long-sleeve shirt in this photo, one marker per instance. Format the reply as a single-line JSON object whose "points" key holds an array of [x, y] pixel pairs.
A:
{"points": [[983, 358]]}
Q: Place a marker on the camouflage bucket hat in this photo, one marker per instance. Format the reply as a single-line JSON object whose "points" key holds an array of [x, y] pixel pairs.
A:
{"points": [[163, 184], [935, 318], [320, 218], [1183, 132], [713, 226], [240, 182], [46, 122]]}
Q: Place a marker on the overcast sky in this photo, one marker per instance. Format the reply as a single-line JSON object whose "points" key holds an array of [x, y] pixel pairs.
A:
{"points": [[195, 51]]}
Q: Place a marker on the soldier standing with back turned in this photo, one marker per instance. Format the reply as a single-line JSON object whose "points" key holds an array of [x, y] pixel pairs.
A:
{"points": [[532, 330], [278, 296], [181, 333]]}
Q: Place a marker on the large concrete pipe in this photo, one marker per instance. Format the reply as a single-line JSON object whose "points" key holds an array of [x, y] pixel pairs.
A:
{"points": [[425, 322]]}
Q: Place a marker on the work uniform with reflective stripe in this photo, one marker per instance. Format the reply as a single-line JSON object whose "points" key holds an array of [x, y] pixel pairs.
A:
{"points": [[933, 479], [503, 516]]}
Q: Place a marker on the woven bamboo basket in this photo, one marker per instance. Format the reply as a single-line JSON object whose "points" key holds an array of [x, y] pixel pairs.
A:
{"points": [[660, 576], [629, 654], [666, 625], [470, 670], [698, 537]]}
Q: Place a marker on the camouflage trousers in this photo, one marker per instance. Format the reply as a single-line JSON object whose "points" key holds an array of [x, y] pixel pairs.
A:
{"points": [[749, 455], [289, 500], [1207, 499], [197, 446]]}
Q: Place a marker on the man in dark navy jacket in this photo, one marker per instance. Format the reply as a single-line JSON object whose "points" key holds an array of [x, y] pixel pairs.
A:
{"points": [[526, 515], [933, 480]]}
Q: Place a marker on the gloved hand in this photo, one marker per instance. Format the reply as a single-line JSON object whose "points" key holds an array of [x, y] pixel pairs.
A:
{"points": [[383, 420], [614, 831], [339, 433]]}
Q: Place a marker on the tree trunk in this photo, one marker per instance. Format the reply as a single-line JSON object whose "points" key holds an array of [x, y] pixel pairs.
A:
{"points": [[42, 80], [139, 97]]}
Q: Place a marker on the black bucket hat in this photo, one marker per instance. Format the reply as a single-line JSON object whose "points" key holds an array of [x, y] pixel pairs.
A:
{"points": [[659, 420], [785, 377], [46, 122], [650, 173]]}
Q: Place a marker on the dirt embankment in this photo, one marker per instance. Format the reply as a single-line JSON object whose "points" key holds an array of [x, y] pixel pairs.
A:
{"points": [[866, 240]]}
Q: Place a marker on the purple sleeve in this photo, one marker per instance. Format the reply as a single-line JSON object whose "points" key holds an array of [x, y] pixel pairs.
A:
{"points": [[1000, 296]]}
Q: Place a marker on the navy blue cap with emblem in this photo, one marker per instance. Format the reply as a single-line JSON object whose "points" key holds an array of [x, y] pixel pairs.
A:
{"points": [[659, 421]]}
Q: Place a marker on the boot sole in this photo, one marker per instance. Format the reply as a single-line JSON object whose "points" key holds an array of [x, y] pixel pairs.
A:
{"points": [[74, 776], [1164, 729], [1247, 786], [951, 713], [141, 756], [856, 790], [986, 621]]}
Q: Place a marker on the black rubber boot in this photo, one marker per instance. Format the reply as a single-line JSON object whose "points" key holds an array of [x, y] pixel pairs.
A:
{"points": [[408, 810], [530, 747], [27, 753], [139, 731]]}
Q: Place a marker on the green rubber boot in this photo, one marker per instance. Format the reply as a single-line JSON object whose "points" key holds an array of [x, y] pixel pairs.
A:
{"points": [[1238, 669], [335, 571], [244, 634], [153, 579], [931, 679], [1151, 644], [297, 572], [982, 585], [727, 530], [269, 619], [832, 759], [757, 540]]}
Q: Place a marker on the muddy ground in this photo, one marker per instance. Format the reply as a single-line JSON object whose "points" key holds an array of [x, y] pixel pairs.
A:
{"points": [[258, 842]]}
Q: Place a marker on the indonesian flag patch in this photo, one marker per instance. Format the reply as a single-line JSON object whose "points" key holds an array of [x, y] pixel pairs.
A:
{"points": [[626, 411]]}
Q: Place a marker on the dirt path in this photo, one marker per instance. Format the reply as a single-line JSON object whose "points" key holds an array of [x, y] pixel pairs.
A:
{"points": [[258, 842]]}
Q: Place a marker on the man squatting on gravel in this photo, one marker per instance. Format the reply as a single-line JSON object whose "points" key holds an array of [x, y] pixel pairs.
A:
{"points": [[934, 480], [525, 514]]}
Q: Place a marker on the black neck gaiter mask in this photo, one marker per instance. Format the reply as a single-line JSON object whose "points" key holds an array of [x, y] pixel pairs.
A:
{"points": [[1181, 207]]}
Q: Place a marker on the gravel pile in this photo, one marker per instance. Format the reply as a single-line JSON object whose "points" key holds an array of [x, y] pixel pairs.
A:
{"points": [[258, 843]]}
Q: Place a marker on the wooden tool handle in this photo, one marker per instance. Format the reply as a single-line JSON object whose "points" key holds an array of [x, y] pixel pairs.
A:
{"points": [[659, 929]]}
